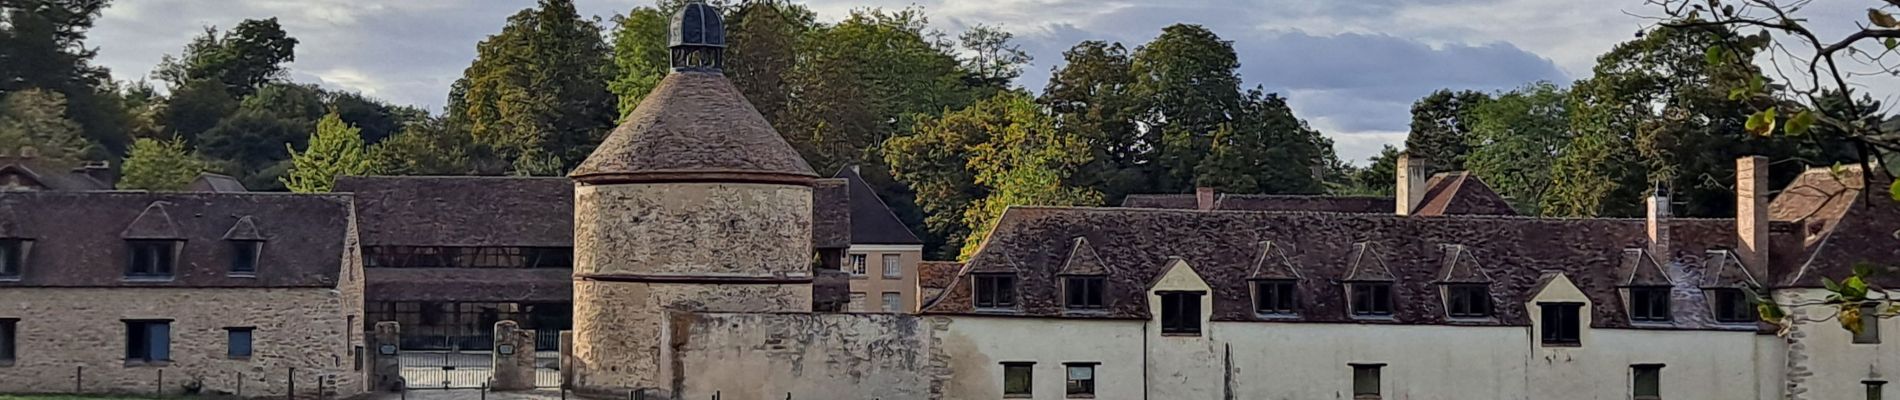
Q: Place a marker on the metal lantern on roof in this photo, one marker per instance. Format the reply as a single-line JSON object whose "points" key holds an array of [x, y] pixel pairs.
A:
{"points": [[698, 38]]}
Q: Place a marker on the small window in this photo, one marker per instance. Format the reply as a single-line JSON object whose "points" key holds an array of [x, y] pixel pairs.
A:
{"points": [[893, 302], [151, 258], [244, 256], [1181, 313], [1562, 324], [1468, 301], [148, 341], [1371, 299], [1081, 382], [1018, 379], [1731, 306], [1084, 292], [12, 257], [238, 342], [995, 291], [1873, 388], [1646, 384], [1649, 304], [893, 267], [857, 302], [9, 333], [1275, 297], [1365, 381], [1869, 326], [855, 264]]}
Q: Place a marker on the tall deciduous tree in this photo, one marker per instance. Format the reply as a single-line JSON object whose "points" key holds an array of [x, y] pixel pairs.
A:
{"points": [[43, 46], [1441, 127], [994, 59], [1265, 150], [1091, 98], [639, 55], [159, 165], [336, 149], [762, 51], [537, 91], [37, 119], [243, 59], [1188, 81], [1515, 137]]}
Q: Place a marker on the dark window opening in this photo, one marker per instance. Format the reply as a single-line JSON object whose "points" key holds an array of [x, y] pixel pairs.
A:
{"points": [[1649, 304], [1468, 301], [9, 332], [1869, 326], [151, 258], [1874, 388], [1731, 306], [1081, 382], [467, 257], [1084, 292], [244, 255], [1647, 381], [238, 342], [148, 340], [1275, 297], [1018, 379], [1181, 313], [1562, 324], [12, 257], [995, 291], [1371, 299], [1365, 381]]}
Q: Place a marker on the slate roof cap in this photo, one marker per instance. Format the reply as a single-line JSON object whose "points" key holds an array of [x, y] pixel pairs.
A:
{"points": [[695, 126]]}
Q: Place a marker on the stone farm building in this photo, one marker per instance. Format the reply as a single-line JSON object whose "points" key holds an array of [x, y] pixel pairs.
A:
{"points": [[695, 253]]}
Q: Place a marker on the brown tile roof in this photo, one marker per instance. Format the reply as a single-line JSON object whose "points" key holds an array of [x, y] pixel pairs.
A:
{"points": [[872, 222], [694, 126], [1839, 224], [1461, 193], [469, 284], [43, 174], [831, 214], [79, 237], [937, 274], [1264, 202], [210, 182], [462, 210], [1515, 253]]}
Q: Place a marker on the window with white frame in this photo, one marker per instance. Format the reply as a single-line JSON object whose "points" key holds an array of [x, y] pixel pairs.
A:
{"points": [[893, 266], [1081, 380], [854, 264], [893, 302]]}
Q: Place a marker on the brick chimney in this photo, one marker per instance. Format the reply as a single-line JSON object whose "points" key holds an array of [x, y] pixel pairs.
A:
{"points": [[1657, 220], [1204, 198], [1410, 188], [1751, 211]]}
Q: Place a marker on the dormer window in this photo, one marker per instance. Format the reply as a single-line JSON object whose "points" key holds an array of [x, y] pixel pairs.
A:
{"points": [[1649, 304], [1371, 299], [12, 257], [1275, 297], [1083, 292], [244, 256], [995, 291], [1468, 301], [151, 258], [1731, 306]]}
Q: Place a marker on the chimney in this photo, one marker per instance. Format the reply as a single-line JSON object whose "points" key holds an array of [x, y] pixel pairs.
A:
{"points": [[100, 171], [1658, 222], [1751, 211], [1410, 188], [1204, 198]]}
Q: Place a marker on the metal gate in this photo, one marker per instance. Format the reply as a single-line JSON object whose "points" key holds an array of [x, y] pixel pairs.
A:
{"points": [[447, 357], [547, 358]]}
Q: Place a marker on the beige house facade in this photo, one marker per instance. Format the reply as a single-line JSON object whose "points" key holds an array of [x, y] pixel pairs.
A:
{"points": [[882, 261]]}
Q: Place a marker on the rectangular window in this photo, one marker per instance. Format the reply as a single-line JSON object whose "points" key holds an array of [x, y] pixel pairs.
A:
{"points": [[855, 264], [1371, 299], [151, 258], [244, 256], [1181, 313], [1562, 324], [148, 340], [12, 257], [1018, 379], [995, 291], [9, 337], [1869, 326], [1081, 382], [893, 266], [1274, 297], [1083, 292], [1468, 301], [857, 302], [238, 342], [1731, 306], [1649, 304], [893, 302], [1646, 384], [1365, 381]]}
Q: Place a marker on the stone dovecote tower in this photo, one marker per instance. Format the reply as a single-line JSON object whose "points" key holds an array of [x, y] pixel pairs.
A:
{"points": [[694, 203]]}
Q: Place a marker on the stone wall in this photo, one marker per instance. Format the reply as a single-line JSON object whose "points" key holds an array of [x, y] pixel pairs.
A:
{"points": [[64, 328], [619, 327], [808, 356]]}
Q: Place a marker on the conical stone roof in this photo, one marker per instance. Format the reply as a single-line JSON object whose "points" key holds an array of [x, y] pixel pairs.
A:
{"points": [[695, 126]]}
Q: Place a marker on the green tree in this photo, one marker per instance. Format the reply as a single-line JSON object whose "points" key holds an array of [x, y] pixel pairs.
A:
{"points": [[195, 108], [37, 119], [253, 140], [1265, 150], [1188, 81], [1378, 177], [1441, 127], [1090, 98], [242, 59], [762, 51], [435, 147], [1514, 138], [994, 59], [639, 54], [161, 165], [42, 46], [336, 149], [537, 91]]}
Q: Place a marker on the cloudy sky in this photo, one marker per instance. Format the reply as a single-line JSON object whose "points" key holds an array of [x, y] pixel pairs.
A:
{"points": [[1350, 67]]}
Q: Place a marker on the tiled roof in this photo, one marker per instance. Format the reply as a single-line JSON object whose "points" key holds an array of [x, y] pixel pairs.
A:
{"points": [[937, 274], [462, 210], [45, 175], [1839, 224], [1449, 193], [694, 126], [872, 222], [1461, 193], [469, 284], [210, 182], [79, 237]]}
